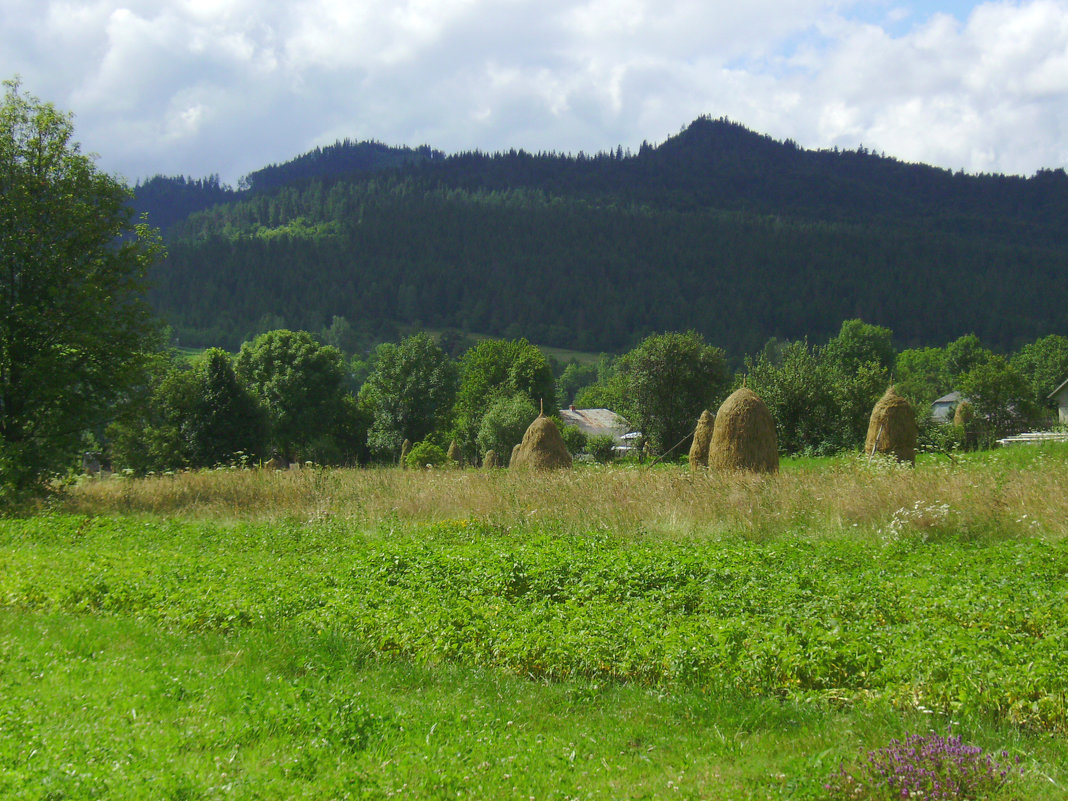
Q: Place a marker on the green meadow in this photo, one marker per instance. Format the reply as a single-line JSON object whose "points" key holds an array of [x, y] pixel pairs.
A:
{"points": [[601, 633]]}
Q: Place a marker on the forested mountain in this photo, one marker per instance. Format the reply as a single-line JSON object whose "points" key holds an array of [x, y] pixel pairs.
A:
{"points": [[717, 229]]}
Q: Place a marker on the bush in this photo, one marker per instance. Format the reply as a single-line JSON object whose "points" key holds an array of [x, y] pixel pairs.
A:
{"points": [[425, 454], [504, 423], [574, 437], [601, 447]]}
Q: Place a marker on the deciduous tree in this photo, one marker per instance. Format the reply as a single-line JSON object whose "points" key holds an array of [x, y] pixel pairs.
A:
{"points": [[1044, 363], [499, 368], [74, 328], [410, 393], [301, 385], [669, 379]]}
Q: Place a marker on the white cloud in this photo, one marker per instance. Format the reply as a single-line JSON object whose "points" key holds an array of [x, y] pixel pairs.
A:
{"points": [[199, 86], [988, 94]]}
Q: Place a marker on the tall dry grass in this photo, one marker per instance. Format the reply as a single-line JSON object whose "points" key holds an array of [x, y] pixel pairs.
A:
{"points": [[845, 497]]}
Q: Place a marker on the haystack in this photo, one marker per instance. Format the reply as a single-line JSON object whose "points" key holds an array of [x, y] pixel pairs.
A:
{"points": [[702, 438], [454, 456], [964, 414], [511, 459], [743, 437], [542, 447], [406, 448], [490, 460], [964, 419], [892, 429]]}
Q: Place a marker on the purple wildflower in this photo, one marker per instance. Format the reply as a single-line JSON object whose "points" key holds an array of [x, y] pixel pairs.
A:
{"points": [[924, 767]]}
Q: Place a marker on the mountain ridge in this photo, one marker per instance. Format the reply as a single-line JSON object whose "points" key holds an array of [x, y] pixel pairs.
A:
{"points": [[693, 220]]}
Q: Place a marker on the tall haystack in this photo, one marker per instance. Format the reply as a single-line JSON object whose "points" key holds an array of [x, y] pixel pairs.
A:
{"points": [[702, 438], [542, 447], [743, 437], [892, 429], [490, 460], [964, 414], [964, 419], [454, 456]]}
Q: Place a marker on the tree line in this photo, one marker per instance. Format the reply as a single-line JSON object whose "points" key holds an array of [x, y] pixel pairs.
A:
{"points": [[83, 363], [287, 395]]}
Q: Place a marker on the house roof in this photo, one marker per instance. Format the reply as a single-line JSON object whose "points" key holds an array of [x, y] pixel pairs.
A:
{"points": [[1058, 389], [594, 422], [952, 397]]}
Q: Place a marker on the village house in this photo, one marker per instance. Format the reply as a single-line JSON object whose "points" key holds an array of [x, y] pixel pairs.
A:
{"points": [[1060, 394], [596, 422], [943, 408]]}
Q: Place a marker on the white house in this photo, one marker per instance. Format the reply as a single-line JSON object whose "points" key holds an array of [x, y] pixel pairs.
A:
{"points": [[942, 409], [594, 422]]}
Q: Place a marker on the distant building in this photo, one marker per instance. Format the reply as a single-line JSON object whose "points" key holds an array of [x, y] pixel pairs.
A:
{"points": [[943, 408], [596, 422], [1060, 394]]}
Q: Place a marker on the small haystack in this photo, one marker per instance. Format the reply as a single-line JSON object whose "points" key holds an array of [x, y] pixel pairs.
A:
{"points": [[964, 414], [489, 461], [892, 429], [702, 438], [406, 448], [454, 456], [744, 435], [542, 447], [964, 419], [511, 459]]}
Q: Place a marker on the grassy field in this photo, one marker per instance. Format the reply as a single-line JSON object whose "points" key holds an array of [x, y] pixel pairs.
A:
{"points": [[605, 633]]}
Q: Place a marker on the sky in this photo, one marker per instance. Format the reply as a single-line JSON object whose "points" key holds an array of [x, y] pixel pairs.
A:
{"points": [[201, 87]]}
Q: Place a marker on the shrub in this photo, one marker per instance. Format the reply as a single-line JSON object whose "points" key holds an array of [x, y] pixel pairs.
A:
{"points": [[574, 438], [600, 447], [504, 423], [424, 454]]}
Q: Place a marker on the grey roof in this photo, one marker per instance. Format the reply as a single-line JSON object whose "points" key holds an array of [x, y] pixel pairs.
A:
{"points": [[952, 397], [594, 422]]}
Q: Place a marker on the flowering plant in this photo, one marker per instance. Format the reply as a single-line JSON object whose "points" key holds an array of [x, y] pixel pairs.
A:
{"points": [[928, 767]]}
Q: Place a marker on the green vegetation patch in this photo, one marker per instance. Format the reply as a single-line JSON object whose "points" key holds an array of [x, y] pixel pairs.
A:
{"points": [[113, 708], [923, 618]]}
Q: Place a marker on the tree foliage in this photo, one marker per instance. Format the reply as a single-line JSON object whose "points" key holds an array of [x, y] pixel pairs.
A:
{"points": [[821, 403], [504, 423], [198, 416], [921, 375], [1044, 364], [669, 379], [574, 378], [301, 385], [499, 368], [799, 390], [965, 354], [859, 343], [717, 229], [409, 393], [1001, 398], [74, 329]]}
